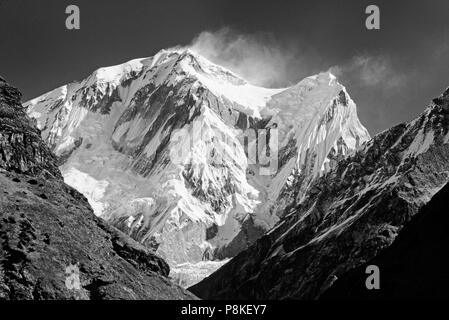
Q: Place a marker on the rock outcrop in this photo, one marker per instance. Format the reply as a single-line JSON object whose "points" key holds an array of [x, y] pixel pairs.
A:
{"points": [[52, 246]]}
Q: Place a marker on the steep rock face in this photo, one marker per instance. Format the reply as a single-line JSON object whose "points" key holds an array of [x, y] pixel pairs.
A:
{"points": [[318, 125], [346, 217], [415, 266], [52, 246], [21, 147], [188, 158]]}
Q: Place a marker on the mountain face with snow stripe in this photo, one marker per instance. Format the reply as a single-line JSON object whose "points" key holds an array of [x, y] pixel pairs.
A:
{"points": [[187, 157], [414, 267], [346, 217]]}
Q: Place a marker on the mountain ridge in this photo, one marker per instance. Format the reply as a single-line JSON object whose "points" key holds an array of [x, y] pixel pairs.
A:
{"points": [[413, 267], [347, 217]]}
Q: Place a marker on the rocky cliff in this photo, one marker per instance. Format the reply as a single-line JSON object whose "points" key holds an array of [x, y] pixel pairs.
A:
{"points": [[52, 246]]}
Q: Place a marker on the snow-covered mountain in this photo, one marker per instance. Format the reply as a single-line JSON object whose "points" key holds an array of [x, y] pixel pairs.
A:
{"points": [[190, 159], [347, 217]]}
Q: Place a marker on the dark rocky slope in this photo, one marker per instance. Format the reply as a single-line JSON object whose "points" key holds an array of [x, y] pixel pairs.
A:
{"points": [[346, 218], [415, 266], [48, 229]]}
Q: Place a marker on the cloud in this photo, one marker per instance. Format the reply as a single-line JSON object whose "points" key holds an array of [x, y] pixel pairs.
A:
{"points": [[371, 71], [258, 58], [265, 60]]}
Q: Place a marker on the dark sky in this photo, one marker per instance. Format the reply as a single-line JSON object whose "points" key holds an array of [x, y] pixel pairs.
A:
{"points": [[391, 73]]}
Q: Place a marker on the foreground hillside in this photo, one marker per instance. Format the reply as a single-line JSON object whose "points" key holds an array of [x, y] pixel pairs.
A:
{"points": [[49, 236]]}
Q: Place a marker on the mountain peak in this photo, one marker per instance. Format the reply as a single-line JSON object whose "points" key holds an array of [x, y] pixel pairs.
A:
{"points": [[325, 76], [117, 133]]}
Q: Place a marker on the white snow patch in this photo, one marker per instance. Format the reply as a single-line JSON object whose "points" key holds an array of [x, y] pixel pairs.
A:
{"points": [[188, 274], [91, 188]]}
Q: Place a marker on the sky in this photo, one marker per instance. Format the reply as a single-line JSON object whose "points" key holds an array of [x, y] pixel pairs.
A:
{"points": [[391, 73]]}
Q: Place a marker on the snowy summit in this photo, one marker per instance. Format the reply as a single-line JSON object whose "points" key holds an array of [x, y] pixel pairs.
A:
{"points": [[118, 131]]}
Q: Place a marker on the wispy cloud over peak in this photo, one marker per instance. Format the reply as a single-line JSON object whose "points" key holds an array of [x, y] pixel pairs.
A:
{"points": [[371, 71], [259, 58]]}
